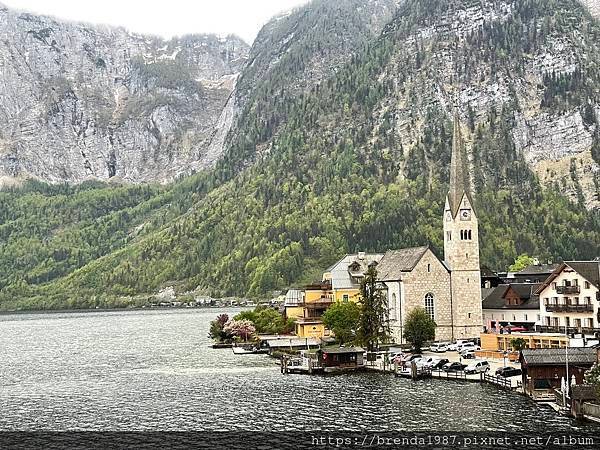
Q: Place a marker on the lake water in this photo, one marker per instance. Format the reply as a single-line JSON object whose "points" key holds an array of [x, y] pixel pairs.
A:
{"points": [[154, 370]]}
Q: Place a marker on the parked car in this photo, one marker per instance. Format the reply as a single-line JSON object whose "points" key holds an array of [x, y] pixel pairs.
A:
{"points": [[427, 361], [468, 354], [440, 364], [456, 345], [507, 372], [439, 347], [478, 367], [468, 346], [409, 358], [453, 367]]}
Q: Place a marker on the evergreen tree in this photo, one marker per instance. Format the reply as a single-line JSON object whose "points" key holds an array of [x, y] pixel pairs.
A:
{"points": [[374, 324]]}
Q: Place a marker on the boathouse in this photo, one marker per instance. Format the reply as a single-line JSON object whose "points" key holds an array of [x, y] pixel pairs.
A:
{"points": [[543, 368], [334, 358], [292, 344]]}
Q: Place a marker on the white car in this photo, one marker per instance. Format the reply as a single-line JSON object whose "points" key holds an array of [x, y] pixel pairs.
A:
{"points": [[478, 367], [432, 361], [439, 347], [426, 361], [455, 346], [468, 346]]}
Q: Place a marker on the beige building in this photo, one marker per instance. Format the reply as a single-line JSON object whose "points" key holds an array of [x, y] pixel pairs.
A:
{"points": [[450, 291], [415, 277]]}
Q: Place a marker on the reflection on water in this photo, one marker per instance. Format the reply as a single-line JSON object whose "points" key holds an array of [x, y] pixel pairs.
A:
{"points": [[140, 370]]}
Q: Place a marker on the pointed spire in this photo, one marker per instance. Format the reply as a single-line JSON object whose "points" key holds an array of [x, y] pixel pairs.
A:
{"points": [[460, 182]]}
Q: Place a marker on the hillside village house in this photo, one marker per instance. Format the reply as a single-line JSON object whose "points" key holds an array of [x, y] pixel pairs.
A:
{"points": [[567, 314], [514, 304], [569, 299]]}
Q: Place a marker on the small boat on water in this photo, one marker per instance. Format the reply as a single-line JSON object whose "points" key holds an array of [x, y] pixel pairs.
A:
{"points": [[245, 349]]}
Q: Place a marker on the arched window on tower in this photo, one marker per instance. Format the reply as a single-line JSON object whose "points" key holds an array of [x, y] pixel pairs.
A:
{"points": [[469, 234], [429, 305]]}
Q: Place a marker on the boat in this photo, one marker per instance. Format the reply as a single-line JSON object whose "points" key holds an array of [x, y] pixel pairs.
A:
{"points": [[244, 349]]}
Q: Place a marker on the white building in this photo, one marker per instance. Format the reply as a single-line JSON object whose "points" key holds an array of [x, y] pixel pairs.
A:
{"points": [[570, 298]]}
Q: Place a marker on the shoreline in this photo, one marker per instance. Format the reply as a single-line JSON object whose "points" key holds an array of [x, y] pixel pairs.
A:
{"points": [[90, 310]]}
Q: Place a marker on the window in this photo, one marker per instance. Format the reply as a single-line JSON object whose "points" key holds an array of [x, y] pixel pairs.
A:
{"points": [[514, 318], [393, 306], [428, 267], [525, 317], [346, 298], [503, 318], [586, 284], [429, 305], [554, 286], [469, 234], [449, 235], [575, 282]]}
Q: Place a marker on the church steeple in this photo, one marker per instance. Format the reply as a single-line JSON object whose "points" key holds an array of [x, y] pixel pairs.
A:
{"points": [[460, 181]]}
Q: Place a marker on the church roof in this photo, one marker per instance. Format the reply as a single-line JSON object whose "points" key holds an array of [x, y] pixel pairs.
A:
{"points": [[394, 262], [460, 180]]}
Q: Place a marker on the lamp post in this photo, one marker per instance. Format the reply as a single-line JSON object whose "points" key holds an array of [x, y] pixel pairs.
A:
{"points": [[566, 389]]}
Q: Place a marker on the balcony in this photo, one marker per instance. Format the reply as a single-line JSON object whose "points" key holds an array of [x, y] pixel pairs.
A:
{"points": [[567, 290], [570, 330], [566, 307]]}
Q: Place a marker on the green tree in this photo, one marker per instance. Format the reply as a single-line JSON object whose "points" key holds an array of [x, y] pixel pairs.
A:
{"points": [[343, 319], [518, 344], [373, 325], [419, 328], [592, 376], [521, 262]]}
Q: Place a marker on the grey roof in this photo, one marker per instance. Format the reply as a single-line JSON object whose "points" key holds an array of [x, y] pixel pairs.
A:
{"points": [[538, 269], [297, 342], [590, 270], [340, 275], [339, 350], [395, 262], [460, 180], [495, 298], [557, 356]]}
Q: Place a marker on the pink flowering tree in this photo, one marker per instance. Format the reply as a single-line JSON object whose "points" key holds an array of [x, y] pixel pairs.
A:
{"points": [[243, 329]]}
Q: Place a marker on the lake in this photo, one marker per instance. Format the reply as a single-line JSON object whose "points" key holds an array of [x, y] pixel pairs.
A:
{"points": [[154, 370]]}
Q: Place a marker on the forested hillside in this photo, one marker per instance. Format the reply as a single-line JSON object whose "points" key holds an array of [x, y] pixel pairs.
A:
{"points": [[355, 161]]}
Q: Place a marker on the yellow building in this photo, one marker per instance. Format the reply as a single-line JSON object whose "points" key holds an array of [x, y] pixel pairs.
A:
{"points": [[346, 275], [308, 308]]}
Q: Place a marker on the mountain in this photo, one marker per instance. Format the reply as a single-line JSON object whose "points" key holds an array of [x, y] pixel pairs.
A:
{"points": [[84, 102], [324, 159]]}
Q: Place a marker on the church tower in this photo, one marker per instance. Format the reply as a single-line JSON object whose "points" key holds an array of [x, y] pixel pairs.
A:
{"points": [[461, 244]]}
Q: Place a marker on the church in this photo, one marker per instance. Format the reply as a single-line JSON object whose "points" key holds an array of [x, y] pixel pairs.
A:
{"points": [[448, 290]]}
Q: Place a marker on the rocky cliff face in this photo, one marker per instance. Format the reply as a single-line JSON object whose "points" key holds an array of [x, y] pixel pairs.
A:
{"points": [[80, 101]]}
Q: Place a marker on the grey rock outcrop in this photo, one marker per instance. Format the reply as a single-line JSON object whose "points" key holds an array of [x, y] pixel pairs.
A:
{"points": [[79, 101]]}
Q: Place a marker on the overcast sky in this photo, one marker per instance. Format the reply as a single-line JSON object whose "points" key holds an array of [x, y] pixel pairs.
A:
{"points": [[166, 17]]}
